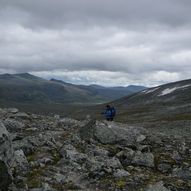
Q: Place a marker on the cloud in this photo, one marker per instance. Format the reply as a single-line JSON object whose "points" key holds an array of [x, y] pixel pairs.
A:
{"points": [[107, 78], [106, 42], [46, 13]]}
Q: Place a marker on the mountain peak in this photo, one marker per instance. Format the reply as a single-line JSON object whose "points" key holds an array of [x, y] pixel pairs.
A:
{"points": [[6, 76], [25, 75]]}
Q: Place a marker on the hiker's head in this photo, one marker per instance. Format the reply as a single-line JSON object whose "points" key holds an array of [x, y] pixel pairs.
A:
{"points": [[107, 106]]}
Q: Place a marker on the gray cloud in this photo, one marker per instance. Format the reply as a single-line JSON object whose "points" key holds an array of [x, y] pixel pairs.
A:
{"points": [[45, 13], [105, 41]]}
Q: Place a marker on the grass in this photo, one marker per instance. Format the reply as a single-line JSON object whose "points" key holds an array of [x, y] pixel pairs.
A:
{"points": [[178, 117], [33, 178]]}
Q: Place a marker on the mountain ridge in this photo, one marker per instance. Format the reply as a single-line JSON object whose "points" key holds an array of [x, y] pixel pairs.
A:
{"points": [[27, 89]]}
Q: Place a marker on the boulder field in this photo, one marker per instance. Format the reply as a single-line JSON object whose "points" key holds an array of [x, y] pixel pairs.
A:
{"points": [[43, 153]]}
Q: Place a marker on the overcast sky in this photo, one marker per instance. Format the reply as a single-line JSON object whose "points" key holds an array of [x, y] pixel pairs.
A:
{"points": [[106, 42]]}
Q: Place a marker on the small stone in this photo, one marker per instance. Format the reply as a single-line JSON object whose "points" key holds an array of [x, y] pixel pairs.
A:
{"points": [[130, 168], [182, 173], [140, 138], [143, 159], [31, 129], [60, 178], [157, 187], [176, 156], [145, 148], [164, 168], [46, 187], [121, 173], [70, 153], [57, 117]]}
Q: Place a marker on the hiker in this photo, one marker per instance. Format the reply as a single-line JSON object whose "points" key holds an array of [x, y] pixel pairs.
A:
{"points": [[109, 113]]}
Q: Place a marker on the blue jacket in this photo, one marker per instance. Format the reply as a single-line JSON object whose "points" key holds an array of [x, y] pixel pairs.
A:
{"points": [[108, 113]]}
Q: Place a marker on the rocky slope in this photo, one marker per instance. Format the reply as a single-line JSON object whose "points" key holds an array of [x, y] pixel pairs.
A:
{"points": [[41, 153]]}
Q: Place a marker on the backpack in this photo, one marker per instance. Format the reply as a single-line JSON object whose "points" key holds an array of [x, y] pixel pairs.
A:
{"points": [[113, 111]]}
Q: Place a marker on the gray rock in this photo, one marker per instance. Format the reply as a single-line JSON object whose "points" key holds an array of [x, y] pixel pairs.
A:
{"points": [[5, 176], [66, 123], [101, 152], [98, 166], [32, 129], [59, 178], [57, 117], [21, 115], [111, 133], [126, 156], [13, 125], [20, 163], [12, 110], [164, 168], [46, 187], [145, 148], [176, 156], [143, 159], [182, 173], [159, 186], [94, 166], [45, 161], [121, 173], [6, 158], [113, 163], [26, 145], [70, 153], [140, 138]]}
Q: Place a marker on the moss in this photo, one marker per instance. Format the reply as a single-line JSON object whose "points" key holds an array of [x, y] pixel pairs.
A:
{"points": [[71, 186], [56, 155], [113, 149], [121, 184], [164, 158], [179, 117], [175, 117], [58, 187], [34, 178], [110, 181], [31, 157], [177, 183]]}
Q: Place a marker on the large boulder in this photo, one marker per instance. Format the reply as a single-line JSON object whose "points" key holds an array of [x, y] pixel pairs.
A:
{"points": [[6, 156], [13, 125], [112, 133]]}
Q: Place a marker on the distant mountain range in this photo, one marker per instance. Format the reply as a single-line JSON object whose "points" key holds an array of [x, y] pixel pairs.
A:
{"points": [[29, 89]]}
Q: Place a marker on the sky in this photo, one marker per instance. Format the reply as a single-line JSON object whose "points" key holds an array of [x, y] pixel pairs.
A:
{"points": [[105, 42]]}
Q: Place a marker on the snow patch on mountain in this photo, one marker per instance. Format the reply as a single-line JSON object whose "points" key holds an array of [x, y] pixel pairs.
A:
{"points": [[170, 90], [150, 90]]}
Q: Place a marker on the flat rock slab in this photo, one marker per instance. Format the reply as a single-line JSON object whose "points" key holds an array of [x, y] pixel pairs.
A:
{"points": [[112, 133]]}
